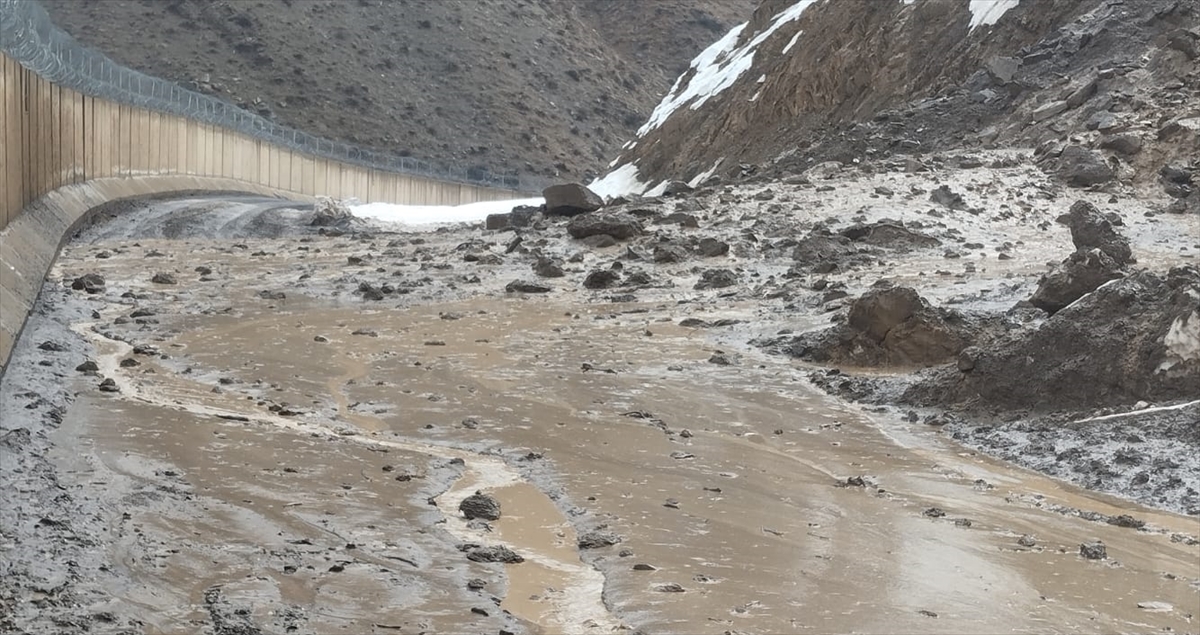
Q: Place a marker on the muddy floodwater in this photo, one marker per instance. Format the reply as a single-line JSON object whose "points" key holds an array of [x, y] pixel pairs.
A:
{"points": [[276, 453]]}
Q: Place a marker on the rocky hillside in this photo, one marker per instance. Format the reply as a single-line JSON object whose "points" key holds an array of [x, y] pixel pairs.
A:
{"points": [[815, 80], [551, 89]]}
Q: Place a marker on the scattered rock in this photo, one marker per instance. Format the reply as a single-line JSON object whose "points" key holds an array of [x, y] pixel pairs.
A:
{"points": [[523, 286], [570, 199], [711, 247], [1080, 274], [88, 367], [547, 268], [1081, 167], [1092, 230], [669, 588], [1026, 541], [597, 540], [601, 279], [109, 385], [496, 553], [89, 283], [1093, 550], [618, 226], [480, 505], [716, 279], [164, 278], [944, 196]]}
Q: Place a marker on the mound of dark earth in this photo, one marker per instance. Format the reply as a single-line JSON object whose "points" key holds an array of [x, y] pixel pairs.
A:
{"points": [[886, 327], [1137, 338]]}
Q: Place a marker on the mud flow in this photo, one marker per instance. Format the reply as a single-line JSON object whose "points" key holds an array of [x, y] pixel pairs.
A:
{"points": [[274, 454]]}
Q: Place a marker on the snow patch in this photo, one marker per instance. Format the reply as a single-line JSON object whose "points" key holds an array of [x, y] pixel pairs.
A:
{"points": [[703, 176], [792, 42], [431, 216], [1182, 341], [987, 12], [718, 67], [619, 182]]}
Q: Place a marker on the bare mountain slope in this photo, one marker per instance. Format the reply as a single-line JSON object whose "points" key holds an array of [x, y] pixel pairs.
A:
{"points": [[814, 80], [551, 88]]}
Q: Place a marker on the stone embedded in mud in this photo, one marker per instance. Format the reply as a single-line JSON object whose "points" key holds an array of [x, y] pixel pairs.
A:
{"points": [[163, 277], [1026, 541], [716, 279], [328, 212], [496, 221], [89, 283], [1092, 230], [1081, 167], [934, 512], [669, 588], [88, 367], [1080, 274], [721, 358], [570, 199], [480, 505], [618, 226], [1093, 550], [946, 197], [547, 268], [109, 385], [601, 279], [1125, 520], [476, 584], [597, 540], [495, 553], [670, 253], [712, 248], [523, 286]]}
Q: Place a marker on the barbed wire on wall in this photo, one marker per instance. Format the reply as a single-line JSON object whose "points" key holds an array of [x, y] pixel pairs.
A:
{"points": [[28, 35]]}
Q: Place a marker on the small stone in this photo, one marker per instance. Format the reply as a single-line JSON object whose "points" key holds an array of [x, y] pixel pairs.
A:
{"points": [[934, 512], [669, 588], [164, 278], [1093, 550], [1026, 541], [641, 566], [109, 385], [597, 539]]}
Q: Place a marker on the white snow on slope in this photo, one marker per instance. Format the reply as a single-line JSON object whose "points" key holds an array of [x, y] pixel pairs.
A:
{"points": [[989, 11], [431, 216], [718, 67], [619, 182]]}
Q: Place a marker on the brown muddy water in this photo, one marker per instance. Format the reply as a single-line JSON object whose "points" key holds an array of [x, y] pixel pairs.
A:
{"points": [[312, 475]]}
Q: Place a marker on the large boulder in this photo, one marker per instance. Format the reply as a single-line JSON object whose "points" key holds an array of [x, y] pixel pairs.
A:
{"points": [[570, 199], [329, 212], [876, 313], [1134, 339], [619, 226], [1080, 274], [1092, 230], [1081, 167]]}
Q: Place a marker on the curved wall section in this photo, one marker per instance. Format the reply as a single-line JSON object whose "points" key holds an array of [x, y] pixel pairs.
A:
{"points": [[63, 153]]}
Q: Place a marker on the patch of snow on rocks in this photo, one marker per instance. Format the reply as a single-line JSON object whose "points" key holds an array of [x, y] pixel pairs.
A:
{"points": [[619, 182], [988, 12], [718, 67]]}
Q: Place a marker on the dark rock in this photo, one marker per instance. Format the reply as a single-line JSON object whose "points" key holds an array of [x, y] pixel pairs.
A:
{"points": [[1175, 174], [570, 199], [1081, 167], [670, 253], [523, 215], [480, 505], [618, 226], [943, 196], [669, 588], [164, 278], [679, 218], [88, 367], [476, 584], [600, 241], [1092, 230], [109, 385], [1093, 550], [721, 358], [601, 279], [934, 512], [1026, 541], [1080, 274], [495, 222], [1125, 520], [129, 362], [89, 283], [1126, 144], [52, 346], [716, 279], [890, 235], [711, 247], [547, 268], [877, 312], [496, 553], [523, 286], [597, 539]]}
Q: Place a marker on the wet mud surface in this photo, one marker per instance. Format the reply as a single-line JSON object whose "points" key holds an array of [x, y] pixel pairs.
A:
{"points": [[272, 451]]}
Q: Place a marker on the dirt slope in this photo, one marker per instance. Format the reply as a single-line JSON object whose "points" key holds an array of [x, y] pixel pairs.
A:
{"points": [[548, 88]]}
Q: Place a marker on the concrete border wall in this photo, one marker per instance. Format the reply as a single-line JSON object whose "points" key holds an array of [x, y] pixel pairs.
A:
{"points": [[63, 153]]}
